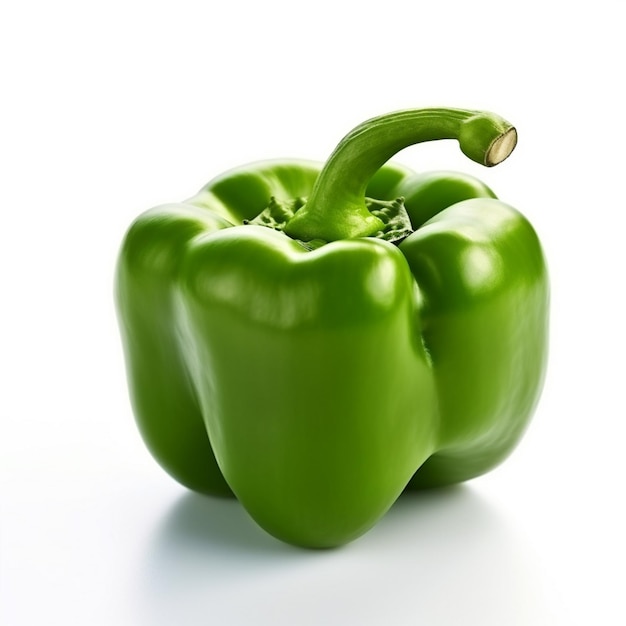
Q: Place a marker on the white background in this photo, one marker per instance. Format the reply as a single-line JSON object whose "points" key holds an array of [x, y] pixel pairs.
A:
{"points": [[108, 108]]}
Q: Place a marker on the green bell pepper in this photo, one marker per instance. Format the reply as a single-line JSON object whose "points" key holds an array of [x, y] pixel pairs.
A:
{"points": [[317, 339]]}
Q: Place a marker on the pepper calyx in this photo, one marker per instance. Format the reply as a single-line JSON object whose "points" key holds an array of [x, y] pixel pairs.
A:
{"points": [[392, 214]]}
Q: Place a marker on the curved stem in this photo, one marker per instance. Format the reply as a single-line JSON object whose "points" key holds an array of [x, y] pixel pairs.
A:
{"points": [[336, 207]]}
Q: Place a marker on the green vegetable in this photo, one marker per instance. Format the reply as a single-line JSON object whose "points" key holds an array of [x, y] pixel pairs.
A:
{"points": [[318, 339]]}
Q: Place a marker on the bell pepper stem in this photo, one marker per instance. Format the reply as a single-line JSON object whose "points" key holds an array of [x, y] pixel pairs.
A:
{"points": [[336, 208]]}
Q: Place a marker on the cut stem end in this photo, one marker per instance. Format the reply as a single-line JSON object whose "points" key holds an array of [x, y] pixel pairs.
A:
{"points": [[501, 148]]}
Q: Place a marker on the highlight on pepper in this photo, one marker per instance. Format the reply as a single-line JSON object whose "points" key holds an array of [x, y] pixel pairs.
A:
{"points": [[315, 339]]}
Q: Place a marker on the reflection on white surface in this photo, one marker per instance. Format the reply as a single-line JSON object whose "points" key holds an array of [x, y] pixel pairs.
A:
{"points": [[440, 557]]}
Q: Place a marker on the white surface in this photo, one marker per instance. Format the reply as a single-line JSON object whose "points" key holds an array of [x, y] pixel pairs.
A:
{"points": [[110, 108]]}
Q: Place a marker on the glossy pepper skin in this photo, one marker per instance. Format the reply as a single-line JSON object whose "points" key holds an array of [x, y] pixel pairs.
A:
{"points": [[316, 369]]}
